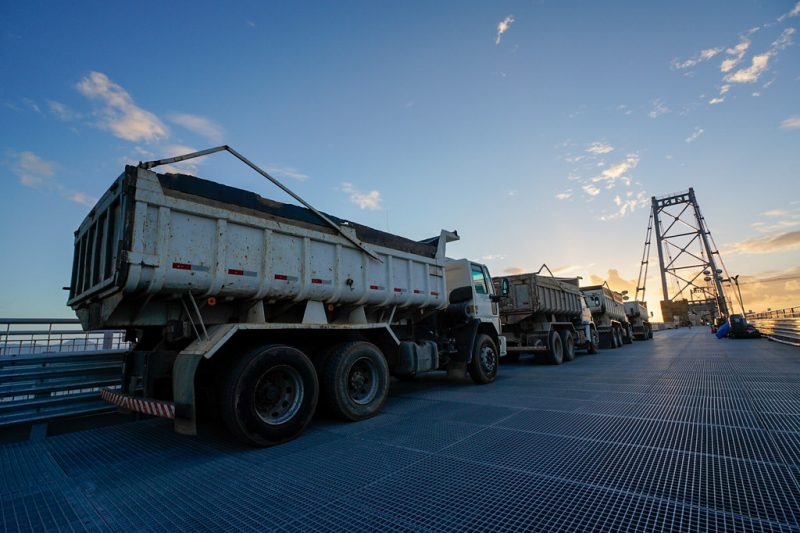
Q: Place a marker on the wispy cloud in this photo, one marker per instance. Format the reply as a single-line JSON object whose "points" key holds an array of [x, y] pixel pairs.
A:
{"points": [[513, 270], [200, 125], [737, 52], [795, 11], [626, 204], [694, 135], [752, 73], [119, 114], [370, 200], [493, 257], [617, 172], [658, 108], [83, 199], [62, 111], [38, 173], [791, 123], [564, 195], [503, 26], [766, 244], [32, 170], [703, 55], [288, 172], [590, 189], [599, 147]]}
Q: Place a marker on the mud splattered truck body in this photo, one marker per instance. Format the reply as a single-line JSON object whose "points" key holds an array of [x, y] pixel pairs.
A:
{"points": [[256, 310]]}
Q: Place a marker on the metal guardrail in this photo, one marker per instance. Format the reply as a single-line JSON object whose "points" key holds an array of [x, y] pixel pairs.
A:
{"points": [[782, 325], [52, 369]]}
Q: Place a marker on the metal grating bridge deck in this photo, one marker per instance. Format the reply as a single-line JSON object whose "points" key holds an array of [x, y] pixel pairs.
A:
{"points": [[684, 433]]}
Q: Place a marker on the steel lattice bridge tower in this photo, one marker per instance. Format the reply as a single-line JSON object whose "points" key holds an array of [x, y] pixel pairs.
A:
{"points": [[690, 264]]}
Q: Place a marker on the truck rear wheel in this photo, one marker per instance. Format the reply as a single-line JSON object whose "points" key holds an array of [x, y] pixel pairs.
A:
{"points": [[568, 343], [593, 344], [270, 395], [555, 354], [485, 358], [355, 380]]}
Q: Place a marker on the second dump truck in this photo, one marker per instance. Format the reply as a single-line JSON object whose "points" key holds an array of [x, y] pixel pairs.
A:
{"points": [[608, 311], [257, 310], [546, 314]]}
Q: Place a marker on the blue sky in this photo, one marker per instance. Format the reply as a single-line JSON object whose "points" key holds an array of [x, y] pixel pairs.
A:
{"points": [[538, 130]]}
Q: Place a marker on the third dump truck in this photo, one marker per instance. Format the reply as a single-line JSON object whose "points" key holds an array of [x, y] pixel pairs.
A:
{"points": [[546, 314], [608, 311], [256, 310], [639, 320]]}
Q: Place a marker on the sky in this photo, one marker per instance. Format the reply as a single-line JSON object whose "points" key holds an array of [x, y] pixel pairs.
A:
{"points": [[538, 130]]}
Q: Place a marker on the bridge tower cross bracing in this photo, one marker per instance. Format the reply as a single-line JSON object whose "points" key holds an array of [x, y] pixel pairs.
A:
{"points": [[687, 256]]}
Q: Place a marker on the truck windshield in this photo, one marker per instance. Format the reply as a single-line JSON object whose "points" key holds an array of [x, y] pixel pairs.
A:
{"points": [[478, 280]]}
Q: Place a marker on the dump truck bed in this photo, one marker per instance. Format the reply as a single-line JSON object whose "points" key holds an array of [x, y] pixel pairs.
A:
{"points": [[535, 293], [158, 236]]}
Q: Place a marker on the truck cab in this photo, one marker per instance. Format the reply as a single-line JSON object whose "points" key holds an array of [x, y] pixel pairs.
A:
{"points": [[470, 285]]}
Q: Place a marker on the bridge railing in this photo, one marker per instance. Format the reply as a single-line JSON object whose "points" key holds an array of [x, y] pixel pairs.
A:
{"points": [[51, 369], [782, 325]]}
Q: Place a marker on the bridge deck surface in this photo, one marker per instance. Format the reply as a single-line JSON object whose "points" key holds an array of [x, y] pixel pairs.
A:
{"points": [[683, 433]]}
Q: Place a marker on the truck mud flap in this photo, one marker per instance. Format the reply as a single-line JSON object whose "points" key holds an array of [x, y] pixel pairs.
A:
{"points": [[465, 340], [139, 405]]}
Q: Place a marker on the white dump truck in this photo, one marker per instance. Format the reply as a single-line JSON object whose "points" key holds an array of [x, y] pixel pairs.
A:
{"points": [[545, 314], [639, 319], [256, 311], [608, 311]]}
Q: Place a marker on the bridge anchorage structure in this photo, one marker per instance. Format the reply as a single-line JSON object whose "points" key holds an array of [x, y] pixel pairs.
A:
{"points": [[693, 275]]}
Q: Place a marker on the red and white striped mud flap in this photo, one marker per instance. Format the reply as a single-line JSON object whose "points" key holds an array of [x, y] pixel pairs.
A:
{"points": [[140, 405]]}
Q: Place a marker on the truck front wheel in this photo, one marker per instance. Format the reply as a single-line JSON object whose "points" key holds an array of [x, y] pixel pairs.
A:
{"points": [[355, 380], [483, 366], [270, 395], [555, 352]]}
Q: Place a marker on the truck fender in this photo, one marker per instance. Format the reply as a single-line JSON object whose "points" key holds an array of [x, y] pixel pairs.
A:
{"points": [[465, 339]]}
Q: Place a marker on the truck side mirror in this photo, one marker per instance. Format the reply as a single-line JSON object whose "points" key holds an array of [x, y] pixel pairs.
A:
{"points": [[596, 300], [504, 287]]}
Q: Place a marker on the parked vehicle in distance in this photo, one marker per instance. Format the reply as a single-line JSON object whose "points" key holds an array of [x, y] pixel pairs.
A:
{"points": [[609, 315], [638, 317], [259, 310], [546, 314]]}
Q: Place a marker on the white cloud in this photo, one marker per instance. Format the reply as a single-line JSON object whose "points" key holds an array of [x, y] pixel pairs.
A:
{"points": [[119, 113], [737, 52], [590, 189], [370, 200], [617, 172], [658, 108], [627, 205], [503, 26], [751, 73], [32, 170], [83, 199], [793, 13], [599, 147], [288, 172], [564, 195], [704, 55], [493, 257], [784, 40], [694, 135], [717, 100], [791, 123], [199, 125], [62, 111]]}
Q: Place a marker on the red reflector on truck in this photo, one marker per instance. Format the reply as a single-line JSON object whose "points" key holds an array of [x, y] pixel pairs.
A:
{"points": [[182, 266], [282, 277], [434, 293], [316, 280], [417, 291], [235, 272]]}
